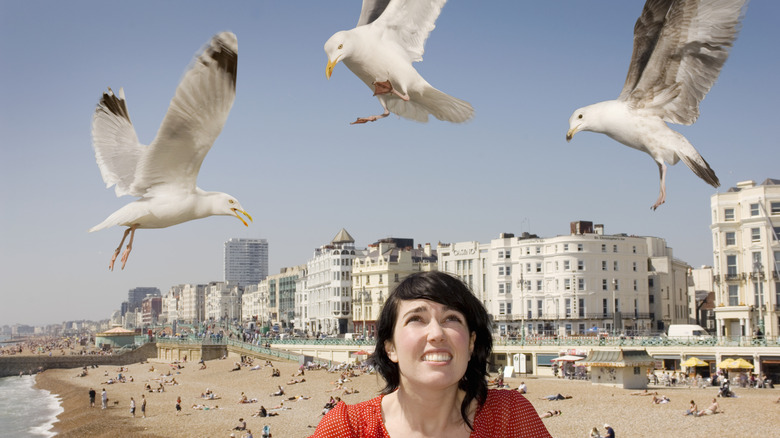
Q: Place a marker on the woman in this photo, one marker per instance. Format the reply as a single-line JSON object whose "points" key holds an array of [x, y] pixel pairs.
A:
{"points": [[433, 343]]}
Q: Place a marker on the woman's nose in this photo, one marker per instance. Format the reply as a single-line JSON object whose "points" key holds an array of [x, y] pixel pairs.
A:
{"points": [[435, 331]]}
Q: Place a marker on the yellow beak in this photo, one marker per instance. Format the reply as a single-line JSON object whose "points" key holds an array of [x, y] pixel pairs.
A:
{"points": [[571, 133], [329, 67], [236, 211]]}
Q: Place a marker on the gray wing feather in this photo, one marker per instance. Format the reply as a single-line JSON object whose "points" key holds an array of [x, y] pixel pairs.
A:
{"points": [[371, 10], [647, 30]]}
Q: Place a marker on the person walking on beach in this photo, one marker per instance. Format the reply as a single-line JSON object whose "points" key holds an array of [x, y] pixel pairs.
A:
{"points": [[104, 398], [132, 406], [178, 405], [92, 395], [143, 406]]}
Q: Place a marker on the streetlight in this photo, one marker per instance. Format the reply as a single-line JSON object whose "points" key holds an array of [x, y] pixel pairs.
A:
{"points": [[363, 310], [522, 309]]}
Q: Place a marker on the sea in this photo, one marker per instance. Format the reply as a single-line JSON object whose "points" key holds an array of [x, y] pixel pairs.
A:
{"points": [[26, 411]]}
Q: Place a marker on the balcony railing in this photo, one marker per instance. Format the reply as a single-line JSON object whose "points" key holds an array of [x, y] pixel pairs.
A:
{"points": [[516, 317]]}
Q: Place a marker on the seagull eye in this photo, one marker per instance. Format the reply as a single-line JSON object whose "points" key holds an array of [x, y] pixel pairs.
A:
{"points": [[341, 46], [231, 201], [579, 116]]}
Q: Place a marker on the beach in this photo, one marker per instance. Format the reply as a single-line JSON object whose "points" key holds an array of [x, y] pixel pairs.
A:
{"points": [[752, 413]]}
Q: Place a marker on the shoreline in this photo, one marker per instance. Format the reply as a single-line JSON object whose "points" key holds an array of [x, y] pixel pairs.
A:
{"points": [[591, 405]]}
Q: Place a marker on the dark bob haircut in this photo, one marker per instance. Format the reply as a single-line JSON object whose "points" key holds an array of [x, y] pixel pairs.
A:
{"points": [[450, 291]]}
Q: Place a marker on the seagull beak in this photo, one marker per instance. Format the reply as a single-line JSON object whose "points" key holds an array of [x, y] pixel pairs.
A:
{"points": [[571, 133], [236, 211], [329, 67]]}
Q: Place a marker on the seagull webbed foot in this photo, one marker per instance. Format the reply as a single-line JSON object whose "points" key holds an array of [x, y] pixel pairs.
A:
{"points": [[385, 87], [362, 120]]}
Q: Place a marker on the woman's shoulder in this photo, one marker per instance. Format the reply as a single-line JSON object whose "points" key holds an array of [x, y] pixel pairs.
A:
{"points": [[508, 413], [359, 420]]}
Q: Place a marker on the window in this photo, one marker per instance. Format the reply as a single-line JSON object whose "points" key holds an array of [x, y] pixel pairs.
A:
{"points": [[580, 265], [528, 306], [733, 295], [633, 249], [508, 308], [603, 265], [538, 284], [538, 308], [616, 283], [538, 267], [500, 270], [500, 288], [652, 299], [755, 234], [614, 248], [731, 266], [566, 265], [731, 238], [501, 254], [603, 247], [565, 247], [581, 283], [728, 215], [604, 284], [615, 265], [636, 286], [754, 209], [507, 254], [581, 312], [634, 266], [567, 304], [566, 284], [501, 309], [604, 308], [509, 288], [579, 247], [775, 208]]}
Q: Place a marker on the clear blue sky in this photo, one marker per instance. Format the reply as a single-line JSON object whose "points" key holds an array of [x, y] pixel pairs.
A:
{"points": [[289, 155]]}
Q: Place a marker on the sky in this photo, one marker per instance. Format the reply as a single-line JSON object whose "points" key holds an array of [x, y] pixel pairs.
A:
{"points": [[289, 155]]}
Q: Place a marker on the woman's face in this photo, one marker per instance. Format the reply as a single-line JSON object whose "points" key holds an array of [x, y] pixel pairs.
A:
{"points": [[431, 344]]}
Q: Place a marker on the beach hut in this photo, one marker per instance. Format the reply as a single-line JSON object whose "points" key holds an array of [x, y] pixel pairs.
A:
{"points": [[621, 368]]}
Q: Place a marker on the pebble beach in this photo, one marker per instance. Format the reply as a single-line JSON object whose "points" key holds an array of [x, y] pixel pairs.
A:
{"points": [[753, 413]]}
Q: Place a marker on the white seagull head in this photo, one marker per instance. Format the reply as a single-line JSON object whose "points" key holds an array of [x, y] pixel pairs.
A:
{"points": [[338, 47], [224, 204]]}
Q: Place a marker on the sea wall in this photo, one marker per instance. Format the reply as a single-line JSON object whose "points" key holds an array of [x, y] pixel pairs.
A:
{"points": [[13, 365]]}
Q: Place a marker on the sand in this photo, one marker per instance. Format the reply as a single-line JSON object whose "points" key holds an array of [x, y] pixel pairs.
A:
{"points": [[753, 413]]}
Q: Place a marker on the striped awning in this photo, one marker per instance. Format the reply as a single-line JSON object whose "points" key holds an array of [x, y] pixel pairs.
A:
{"points": [[617, 359]]}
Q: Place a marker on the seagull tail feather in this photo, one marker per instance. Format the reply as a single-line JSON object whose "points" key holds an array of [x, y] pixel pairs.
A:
{"points": [[445, 107], [701, 168]]}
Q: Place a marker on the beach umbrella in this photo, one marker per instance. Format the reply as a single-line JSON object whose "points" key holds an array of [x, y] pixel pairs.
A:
{"points": [[740, 363], [360, 353], [694, 362], [725, 363]]}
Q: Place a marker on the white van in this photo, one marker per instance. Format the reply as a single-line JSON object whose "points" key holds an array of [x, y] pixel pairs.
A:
{"points": [[688, 331]]}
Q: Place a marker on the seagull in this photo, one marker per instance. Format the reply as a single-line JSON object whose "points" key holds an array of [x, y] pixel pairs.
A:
{"points": [[389, 37], [164, 173], [680, 47]]}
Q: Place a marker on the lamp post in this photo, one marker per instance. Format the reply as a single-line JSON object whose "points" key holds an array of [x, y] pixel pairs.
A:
{"points": [[363, 310], [522, 308]]}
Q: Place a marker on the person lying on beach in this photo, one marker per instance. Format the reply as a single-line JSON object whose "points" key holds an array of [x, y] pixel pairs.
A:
{"points": [[244, 399], [549, 414], [204, 407], [350, 391], [281, 407], [713, 409], [255, 368], [555, 397], [275, 373], [279, 392], [237, 368], [298, 398], [660, 400], [645, 392], [294, 381], [262, 412]]}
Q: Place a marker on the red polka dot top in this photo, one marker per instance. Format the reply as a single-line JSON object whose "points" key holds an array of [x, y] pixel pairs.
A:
{"points": [[506, 414]]}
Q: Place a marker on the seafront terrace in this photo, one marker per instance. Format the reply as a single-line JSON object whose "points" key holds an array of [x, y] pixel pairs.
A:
{"points": [[538, 351]]}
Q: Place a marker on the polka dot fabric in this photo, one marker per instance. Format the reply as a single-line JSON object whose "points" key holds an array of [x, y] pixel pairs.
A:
{"points": [[505, 414]]}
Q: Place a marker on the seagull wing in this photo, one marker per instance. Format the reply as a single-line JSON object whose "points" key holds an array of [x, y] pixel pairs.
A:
{"points": [[117, 150], [686, 59], [646, 32], [195, 118], [371, 10], [408, 23]]}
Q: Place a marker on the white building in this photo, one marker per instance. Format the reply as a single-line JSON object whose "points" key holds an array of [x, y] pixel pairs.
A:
{"points": [[745, 227], [701, 298], [376, 272], [170, 304], [273, 300], [246, 261], [328, 287], [569, 284], [223, 301]]}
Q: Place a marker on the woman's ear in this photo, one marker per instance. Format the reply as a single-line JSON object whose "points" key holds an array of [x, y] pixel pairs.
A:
{"points": [[471, 342], [390, 350]]}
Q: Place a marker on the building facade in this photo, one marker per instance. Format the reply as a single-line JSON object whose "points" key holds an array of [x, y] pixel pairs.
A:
{"points": [[328, 288], [745, 227], [574, 284], [376, 272], [223, 302], [245, 261], [192, 304]]}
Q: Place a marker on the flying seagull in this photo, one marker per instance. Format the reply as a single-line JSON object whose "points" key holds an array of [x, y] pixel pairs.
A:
{"points": [[164, 173], [680, 47], [389, 37]]}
